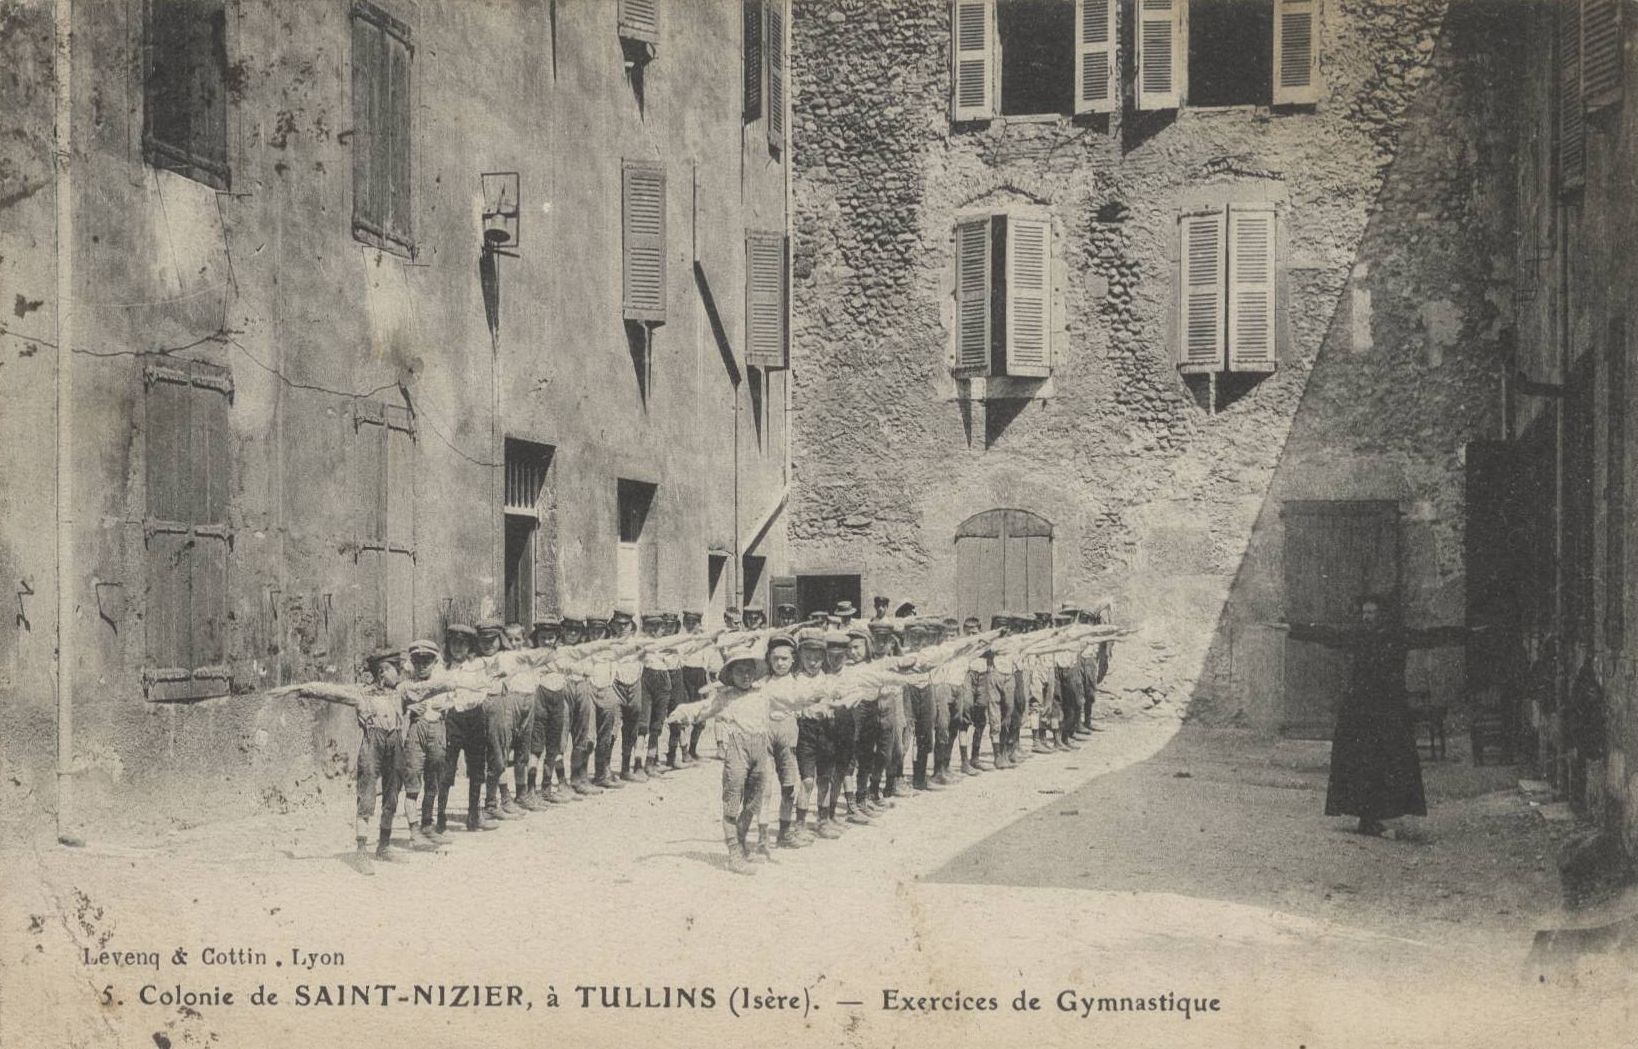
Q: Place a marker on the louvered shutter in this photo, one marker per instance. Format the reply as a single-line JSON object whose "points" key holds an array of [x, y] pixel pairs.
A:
{"points": [[1296, 52], [973, 41], [1251, 287], [765, 300], [1200, 323], [774, 19], [640, 20], [1572, 141], [1095, 56], [644, 241], [1162, 57], [1600, 53], [972, 285], [367, 53], [394, 156], [752, 60], [1029, 297]]}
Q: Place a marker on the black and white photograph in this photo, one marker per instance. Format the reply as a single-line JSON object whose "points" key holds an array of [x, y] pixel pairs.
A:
{"points": [[866, 523]]}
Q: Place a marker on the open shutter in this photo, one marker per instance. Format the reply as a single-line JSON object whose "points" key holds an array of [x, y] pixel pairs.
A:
{"points": [[395, 139], [765, 300], [1162, 55], [628, 577], [1200, 324], [1251, 271], [643, 208], [185, 93], [367, 45], [1095, 56], [751, 60], [774, 19], [640, 20], [973, 42], [972, 286], [1600, 53], [1029, 297], [1296, 52], [1572, 131]]}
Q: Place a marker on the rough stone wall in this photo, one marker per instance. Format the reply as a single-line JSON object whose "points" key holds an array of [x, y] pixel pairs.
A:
{"points": [[1393, 201]]}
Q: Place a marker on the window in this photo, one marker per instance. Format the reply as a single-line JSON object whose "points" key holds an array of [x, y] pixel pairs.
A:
{"points": [[1032, 57], [1227, 52], [1600, 53], [1228, 269], [524, 488], [186, 530], [1616, 520], [184, 107], [1003, 292], [751, 61], [637, 564], [381, 129], [640, 20], [643, 241], [766, 331], [763, 67], [385, 532], [1572, 131]]}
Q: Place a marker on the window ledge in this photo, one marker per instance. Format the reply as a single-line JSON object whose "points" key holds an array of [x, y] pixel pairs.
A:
{"points": [[1226, 112], [1036, 118], [996, 388]]}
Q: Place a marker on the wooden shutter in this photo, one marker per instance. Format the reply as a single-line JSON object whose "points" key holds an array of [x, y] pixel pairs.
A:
{"points": [[394, 156], [1616, 518], [1029, 297], [1200, 295], [643, 209], [1095, 56], [382, 125], [185, 89], [972, 289], [782, 590], [765, 300], [972, 33], [774, 48], [1296, 52], [1162, 53], [751, 60], [640, 20], [367, 53], [1572, 141], [628, 577], [1251, 285], [1601, 53]]}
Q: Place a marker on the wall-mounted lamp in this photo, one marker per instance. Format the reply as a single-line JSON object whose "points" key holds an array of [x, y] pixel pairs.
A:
{"points": [[500, 209]]}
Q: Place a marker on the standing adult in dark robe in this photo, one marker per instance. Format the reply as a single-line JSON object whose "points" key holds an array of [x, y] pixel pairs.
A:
{"points": [[1375, 772]]}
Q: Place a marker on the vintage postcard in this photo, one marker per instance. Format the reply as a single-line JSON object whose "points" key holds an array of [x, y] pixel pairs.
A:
{"points": [[877, 523]]}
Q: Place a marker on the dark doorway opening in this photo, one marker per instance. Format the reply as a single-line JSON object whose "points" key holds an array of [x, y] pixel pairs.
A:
{"points": [[819, 594]]}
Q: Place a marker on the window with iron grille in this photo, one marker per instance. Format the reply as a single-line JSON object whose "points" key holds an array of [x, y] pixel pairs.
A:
{"points": [[524, 495], [186, 530], [382, 130], [184, 94]]}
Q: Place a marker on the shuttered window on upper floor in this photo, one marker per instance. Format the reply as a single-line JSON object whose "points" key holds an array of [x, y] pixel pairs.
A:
{"points": [[643, 241], [186, 531], [383, 129], [640, 20], [751, 61], [1572, 127], [773, 47], [1228, 275], [1003, 296], [184, 96], [766, 325], [1601, 55]]}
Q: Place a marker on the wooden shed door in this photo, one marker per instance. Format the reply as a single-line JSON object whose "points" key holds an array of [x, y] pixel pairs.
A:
{"points": [[1003, 561], [1335, 552]]}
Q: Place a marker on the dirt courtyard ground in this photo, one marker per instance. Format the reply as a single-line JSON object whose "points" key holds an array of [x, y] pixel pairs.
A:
{"points": [[1083, 896]]}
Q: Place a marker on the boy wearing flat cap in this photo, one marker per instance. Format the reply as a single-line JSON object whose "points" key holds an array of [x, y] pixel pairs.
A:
{"points": [[741, 714], [466, 728]]}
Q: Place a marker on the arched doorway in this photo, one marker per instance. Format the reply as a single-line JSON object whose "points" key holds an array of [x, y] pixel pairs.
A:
{"points": [[1003, 561]]}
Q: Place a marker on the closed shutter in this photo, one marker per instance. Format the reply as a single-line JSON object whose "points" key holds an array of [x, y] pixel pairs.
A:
{"points": [[628, 577], [1161, 54], [640, 20], [782, 590], [185, 89], [1029, 297], [399, 585], [1616, 518], [775, 48], [973, 43], [1296, 52], [765, 300], [1572, 141], [382, 139], [1200, 323], [751, 60], [1095, 56], [1600, 53], [1251, 274], [370, 466], [972, 286], [643, 209], [395, 140]]}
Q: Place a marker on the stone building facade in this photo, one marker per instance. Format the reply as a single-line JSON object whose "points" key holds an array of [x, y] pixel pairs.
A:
{"points": [[310, 413], [1274, 312]]}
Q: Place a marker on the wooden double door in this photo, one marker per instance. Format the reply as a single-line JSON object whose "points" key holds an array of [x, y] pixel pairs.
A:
{"points": [[1003, 561]]}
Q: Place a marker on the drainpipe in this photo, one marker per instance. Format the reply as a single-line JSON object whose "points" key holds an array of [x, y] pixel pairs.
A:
{"points": [[67, 575]]}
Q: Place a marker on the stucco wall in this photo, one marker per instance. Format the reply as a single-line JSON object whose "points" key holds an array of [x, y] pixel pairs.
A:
{"points": [[268, 281], [1394, 186]]}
